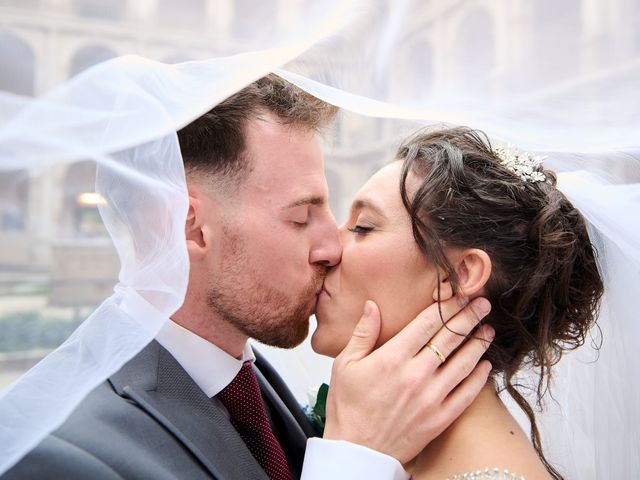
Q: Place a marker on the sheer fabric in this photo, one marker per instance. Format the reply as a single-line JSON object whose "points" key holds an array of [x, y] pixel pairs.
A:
{"points": [[91, 172]]}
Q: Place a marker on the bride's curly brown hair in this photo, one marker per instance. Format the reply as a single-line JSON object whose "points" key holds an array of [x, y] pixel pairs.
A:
{"points": [[544, 288]]}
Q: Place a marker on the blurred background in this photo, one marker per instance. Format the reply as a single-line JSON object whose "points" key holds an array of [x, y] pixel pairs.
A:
{"points": [[57, 262]]}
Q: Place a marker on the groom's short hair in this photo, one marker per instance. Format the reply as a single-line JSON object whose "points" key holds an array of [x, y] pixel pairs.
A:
{"points": [[214, 144]]}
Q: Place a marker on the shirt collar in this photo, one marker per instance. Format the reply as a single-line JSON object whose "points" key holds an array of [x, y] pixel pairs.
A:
{"points": [[208, 365]]}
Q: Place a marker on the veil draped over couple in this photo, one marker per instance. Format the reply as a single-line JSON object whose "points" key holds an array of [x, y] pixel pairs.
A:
{"points": [[477, 295]]}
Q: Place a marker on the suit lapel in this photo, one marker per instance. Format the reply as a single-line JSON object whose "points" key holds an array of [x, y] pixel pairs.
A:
{"points": [[158, 384]]}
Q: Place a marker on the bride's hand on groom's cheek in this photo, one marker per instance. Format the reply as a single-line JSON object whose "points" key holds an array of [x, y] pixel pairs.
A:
{"points": [[398, 398]]}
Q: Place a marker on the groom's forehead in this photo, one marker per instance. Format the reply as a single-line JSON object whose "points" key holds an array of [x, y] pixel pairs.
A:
{"points": [[291, 175]]}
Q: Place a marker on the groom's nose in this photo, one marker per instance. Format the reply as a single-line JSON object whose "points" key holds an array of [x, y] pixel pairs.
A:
{"points": [[327, 251]]}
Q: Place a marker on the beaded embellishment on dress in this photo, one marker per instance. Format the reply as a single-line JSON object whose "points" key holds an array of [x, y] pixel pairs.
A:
{"points": [[488, 474]]}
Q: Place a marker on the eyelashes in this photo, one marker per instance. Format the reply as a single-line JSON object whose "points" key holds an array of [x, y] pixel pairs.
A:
{"points": [[360, 230]]}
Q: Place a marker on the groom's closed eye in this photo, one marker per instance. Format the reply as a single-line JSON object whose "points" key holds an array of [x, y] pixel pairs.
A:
{"points": [[297, 212], [299, 215]]}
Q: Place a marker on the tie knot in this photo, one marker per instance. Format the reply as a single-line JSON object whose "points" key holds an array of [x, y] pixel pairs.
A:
{"points": [[242, 396]]}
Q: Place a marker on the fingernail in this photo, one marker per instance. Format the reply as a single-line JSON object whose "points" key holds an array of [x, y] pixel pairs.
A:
{"points": [[491, 333], [368, 309], [482, 306], [488, 367]]}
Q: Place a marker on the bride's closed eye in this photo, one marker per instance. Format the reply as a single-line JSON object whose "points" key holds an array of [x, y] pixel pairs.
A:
{"points": [[360, 229]]}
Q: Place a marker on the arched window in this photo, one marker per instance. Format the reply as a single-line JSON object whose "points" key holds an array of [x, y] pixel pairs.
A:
{"points": [[14, 208], [17, 65], [89, 56]]}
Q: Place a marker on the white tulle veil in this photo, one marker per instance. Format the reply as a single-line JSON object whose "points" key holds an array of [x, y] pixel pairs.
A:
{"points": [[93, 195]]}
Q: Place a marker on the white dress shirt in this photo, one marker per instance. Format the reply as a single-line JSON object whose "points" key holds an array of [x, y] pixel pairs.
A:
{"points": [[212, 369]]}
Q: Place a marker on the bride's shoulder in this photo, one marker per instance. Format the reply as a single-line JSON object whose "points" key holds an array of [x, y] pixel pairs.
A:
{"points": [[486, 443], [474, 465], [481, 457]]}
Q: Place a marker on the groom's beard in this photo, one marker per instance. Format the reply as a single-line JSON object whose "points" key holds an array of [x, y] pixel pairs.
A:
{"points": [[260, 311]]}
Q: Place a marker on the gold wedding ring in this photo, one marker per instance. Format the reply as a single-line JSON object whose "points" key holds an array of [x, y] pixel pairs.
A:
{"points": [[435, 350]]}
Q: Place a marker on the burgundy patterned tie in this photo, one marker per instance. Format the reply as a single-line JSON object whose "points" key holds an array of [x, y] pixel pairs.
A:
{"points": [[248, 415]]}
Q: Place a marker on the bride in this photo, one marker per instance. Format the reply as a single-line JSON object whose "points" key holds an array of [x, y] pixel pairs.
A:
{"points": [[452, 216]]}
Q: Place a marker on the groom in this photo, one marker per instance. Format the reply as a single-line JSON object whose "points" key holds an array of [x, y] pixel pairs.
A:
{"points": [[198, 402]]}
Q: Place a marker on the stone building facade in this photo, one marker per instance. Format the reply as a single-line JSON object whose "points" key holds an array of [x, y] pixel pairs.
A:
{"points": [[56, 39]]}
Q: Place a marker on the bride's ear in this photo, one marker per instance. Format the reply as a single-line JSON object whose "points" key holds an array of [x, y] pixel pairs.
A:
{"points": [[473, 269], [444, 289]]}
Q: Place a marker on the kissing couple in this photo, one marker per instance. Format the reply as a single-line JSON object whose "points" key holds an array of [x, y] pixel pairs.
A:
{"points": [[458, 262]]}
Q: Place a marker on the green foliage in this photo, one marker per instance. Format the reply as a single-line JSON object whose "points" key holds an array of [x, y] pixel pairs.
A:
{"points": [[317, 414], [320, 408], [22, 331]]}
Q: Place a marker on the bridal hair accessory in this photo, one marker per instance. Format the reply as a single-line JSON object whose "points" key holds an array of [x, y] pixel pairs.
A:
{"points": [[523, 164], [437, 351]]}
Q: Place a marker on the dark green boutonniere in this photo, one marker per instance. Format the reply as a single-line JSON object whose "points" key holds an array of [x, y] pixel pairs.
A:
{"points": [[317, 413]]}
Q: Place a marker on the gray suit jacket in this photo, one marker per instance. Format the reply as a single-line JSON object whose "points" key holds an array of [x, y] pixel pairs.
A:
{"points": [[151, 421]]}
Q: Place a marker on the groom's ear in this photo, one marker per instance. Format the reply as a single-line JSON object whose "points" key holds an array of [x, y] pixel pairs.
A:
{"points": [[473, 269], [199, 231]]}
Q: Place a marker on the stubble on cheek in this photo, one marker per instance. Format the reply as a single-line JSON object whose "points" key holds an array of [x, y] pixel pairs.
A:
{"points": [[260, 308]]}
